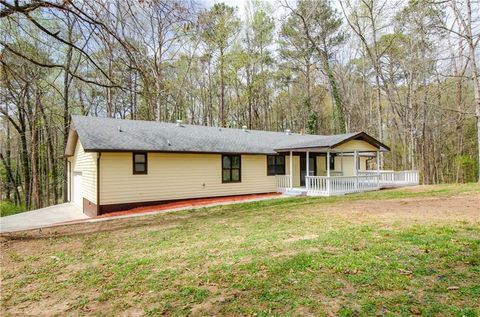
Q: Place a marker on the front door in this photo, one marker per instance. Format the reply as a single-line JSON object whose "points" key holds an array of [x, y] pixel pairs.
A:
{"points": [[303, 168]]}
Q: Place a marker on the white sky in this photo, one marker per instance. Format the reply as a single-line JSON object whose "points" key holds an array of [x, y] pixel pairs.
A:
{"points": [[277, 9]]}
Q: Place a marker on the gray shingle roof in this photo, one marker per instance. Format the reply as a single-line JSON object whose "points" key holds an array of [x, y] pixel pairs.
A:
{"points": [[106, 134]]}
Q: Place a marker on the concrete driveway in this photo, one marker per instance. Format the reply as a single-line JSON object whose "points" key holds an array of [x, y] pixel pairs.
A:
{"points": [[40, 218]]}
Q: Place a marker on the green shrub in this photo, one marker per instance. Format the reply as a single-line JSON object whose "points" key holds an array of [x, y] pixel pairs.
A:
{"points": [[7, 208]]}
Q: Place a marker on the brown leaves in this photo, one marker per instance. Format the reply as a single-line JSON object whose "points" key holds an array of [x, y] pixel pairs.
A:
{"points": [[414, 310], [350, 272], [405, 272]]}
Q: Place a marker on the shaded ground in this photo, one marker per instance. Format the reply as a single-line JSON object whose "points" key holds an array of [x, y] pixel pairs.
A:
{"points": [[397, 252]]}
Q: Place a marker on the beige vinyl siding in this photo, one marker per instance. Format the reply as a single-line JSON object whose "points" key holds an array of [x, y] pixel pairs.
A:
{"points": [[363, 164], [348, 161], [178, 176], [321, 165], [296, 168], [358, 145], [86, 163], [348, 166]]}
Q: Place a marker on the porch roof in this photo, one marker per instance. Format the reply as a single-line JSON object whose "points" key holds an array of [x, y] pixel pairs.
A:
{"points": [[333, 141]]}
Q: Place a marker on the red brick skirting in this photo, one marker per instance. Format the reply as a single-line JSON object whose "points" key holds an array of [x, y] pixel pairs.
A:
{"points": [[196, 202], [89, 208]]}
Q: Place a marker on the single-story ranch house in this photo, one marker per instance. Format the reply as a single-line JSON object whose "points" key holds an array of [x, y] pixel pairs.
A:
{"points": [[118, 164]]}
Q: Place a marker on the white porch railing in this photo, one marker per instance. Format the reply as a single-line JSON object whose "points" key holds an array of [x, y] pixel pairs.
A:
{"points": [[340, 185], [395, 178], [283, 183], [332, 173]]}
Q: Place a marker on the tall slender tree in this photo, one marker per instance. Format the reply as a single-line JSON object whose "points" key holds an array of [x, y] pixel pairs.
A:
{"points": [[220, 26], [321, 27]]}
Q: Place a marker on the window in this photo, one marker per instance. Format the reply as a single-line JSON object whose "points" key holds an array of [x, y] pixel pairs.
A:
{"points": [[332, 162], [275, 165], [139, 163], [231, 168]]}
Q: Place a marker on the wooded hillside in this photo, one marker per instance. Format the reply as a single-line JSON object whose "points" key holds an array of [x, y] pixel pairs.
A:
{"points": [[406, 72]]}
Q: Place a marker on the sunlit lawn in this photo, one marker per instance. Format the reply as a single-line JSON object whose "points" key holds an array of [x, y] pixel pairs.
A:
{"points": [[303, 256]]}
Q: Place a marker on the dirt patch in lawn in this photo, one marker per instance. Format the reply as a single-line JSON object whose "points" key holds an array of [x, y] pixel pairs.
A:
{"points": [[305, 237], [425, 210]]}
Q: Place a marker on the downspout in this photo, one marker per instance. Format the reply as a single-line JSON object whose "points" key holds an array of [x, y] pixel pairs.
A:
{"points": [[67, 188], [68, 193], [98, 182], [71, 181]]}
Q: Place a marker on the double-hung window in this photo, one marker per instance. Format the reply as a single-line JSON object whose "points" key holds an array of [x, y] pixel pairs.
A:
{"points": [[139, 163], [275, 165], [231, 168]]}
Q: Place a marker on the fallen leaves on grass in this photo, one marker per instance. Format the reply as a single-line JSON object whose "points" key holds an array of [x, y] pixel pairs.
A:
{"points": [[405, 272], [414, 310], [351, 272]]}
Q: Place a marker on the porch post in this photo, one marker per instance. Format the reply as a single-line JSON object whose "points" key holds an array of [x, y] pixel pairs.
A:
{"points": [[378, 162], [341, 162], [291, 170], [378, 169], [308, 169], [355, 161], [328, 163], [328, 172]]}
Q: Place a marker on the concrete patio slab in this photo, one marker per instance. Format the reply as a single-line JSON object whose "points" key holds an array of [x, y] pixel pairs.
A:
{"points": [[40, 218]]}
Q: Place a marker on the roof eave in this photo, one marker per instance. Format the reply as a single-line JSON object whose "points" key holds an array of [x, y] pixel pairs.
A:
{"points": [[175, 151], [300, 148]]}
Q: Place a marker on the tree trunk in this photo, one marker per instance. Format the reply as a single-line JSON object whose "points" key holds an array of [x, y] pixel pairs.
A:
{"points": [[222, 88], [11, 178], [7, 161], [337, 98], [36, 201], [25, 160], [51, 154], [466, 23], [66, 110]]}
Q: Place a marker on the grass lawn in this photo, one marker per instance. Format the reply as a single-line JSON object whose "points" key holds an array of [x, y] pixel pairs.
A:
{"points": [[390, 253]]}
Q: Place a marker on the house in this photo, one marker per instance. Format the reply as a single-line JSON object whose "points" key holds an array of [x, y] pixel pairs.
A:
{"points": [[118, 164]]}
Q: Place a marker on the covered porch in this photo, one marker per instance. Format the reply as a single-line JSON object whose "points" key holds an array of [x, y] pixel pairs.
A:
{"points": [[347, 167]]}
